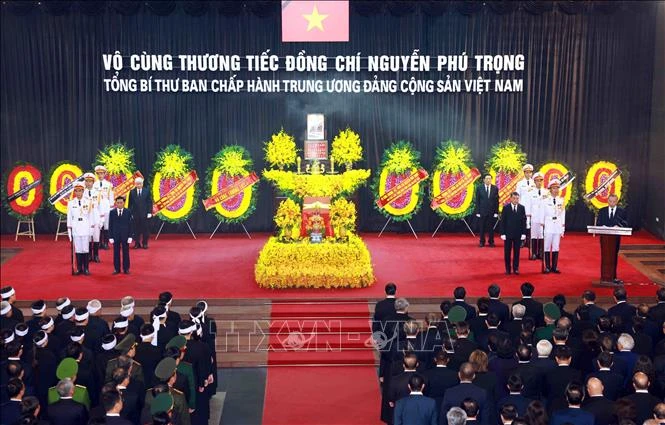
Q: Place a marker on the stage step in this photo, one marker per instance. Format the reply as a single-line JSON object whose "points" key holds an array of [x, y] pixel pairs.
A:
{"points": [[305, 341], [293, 311], [320, 325], [347, 357]]}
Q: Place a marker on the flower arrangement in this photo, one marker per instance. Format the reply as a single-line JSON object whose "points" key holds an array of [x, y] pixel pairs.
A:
{"points": [[61, 174], [281, 150], [329, 264], [287, 219], [23, 174], [400, 161], [229, 165], [297, 186], [505, 166], [174, 163], [453, 163], [598, 173], [346, 148], [554, 169], [343, 218], [119, 162]]}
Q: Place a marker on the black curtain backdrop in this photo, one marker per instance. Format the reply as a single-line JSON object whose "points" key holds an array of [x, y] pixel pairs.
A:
{"points": [[587, 87]]}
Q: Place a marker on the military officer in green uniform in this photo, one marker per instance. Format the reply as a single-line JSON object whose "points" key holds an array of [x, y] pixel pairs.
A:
{"points": [[127, 348], [166, 375], [68, 368], [175, 349]]}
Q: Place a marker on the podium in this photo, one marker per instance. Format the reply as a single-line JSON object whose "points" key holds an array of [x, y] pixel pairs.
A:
{"points": [[609, 246]]}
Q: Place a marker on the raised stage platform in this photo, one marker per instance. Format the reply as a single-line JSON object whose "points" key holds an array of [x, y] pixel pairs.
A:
{"points": [[224, 268]]}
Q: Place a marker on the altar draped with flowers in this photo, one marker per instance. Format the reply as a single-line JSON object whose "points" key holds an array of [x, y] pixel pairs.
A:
{"points": [[316, 245]]}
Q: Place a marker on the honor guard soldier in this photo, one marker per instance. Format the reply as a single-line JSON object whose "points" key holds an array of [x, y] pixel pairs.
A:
{"points": [[524, 188], [81, 221], [554, 226], [68, 368], [166, 375], [91, 193], [106, 201], [533, 204]]}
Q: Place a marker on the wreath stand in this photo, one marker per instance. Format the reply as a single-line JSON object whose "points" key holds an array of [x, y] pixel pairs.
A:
{"points": [[220, 223], [463, 219], [407, 222], [30, 232], [186, 222], [57, 231]]}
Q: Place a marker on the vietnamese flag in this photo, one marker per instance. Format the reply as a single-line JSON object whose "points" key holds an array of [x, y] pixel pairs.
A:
{"points": [[315, 20]]}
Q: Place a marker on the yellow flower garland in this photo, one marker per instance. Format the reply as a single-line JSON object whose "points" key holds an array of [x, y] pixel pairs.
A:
{"points": [[556, 169], [596, 170], [328, 264], [281, 150], [60, 176], [346, 148], [302, 185]]}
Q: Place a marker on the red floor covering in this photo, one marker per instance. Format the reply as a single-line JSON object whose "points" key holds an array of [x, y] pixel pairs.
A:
{"points": [[323, 395], [224, 268]]}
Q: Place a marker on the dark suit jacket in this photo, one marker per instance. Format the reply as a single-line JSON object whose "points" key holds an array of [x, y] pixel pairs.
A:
{"points": [[513, 224], [601, 408], [573, 416], [382, 311], [416, 410], [595, 312], [121, 227], [657, 313], [463, 348], [11, 412], [141, 205], [117, 420], [455, 395], [612, 382], [520, 402], [556, 380], [626, 311], [533, 309], [645, 403], [500, 309], [532, 378], [487, 205], [470, 310], [67, 412], [437, 381], [620, 217], [149, 356]]}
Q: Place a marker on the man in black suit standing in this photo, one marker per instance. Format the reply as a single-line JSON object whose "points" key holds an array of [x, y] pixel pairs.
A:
{"points": [[596, 403], [513, 231], [141, 206], [113, 404], [613, 216], [644, 401], [466, 389], [384, 308], [487, 208], [121, 231]]}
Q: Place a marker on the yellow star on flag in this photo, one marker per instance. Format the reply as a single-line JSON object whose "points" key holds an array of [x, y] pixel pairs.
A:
{"points": [[315, 20]]}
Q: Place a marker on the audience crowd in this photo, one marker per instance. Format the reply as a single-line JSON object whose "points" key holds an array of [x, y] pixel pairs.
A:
{"points": [[75, 368], [522, 364]]}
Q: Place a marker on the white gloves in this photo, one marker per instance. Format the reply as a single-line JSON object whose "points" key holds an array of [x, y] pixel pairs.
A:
{"points": [[111, 240], [523, 237], [478, 215], [149, 215], [503, 237], [129, 240], [496, 215], [69, 233]]}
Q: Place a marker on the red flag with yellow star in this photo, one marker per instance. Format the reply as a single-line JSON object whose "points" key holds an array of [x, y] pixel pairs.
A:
{"points": [[315, 20]]}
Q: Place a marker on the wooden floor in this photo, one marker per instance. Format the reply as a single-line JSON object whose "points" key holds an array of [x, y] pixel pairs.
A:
{"points": [[648, 259]]}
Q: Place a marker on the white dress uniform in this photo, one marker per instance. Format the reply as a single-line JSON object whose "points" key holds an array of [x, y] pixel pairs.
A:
{"points": [[81, 216], [106, 200], [533, 204], [525, 188], [554, 220], [93, 195]]}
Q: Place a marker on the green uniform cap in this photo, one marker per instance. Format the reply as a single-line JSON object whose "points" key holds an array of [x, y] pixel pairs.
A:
{"points": [[177, 341], [68, 368], [457, 314], [162, 403], [552, 311], [165, 368], [126, 344]]}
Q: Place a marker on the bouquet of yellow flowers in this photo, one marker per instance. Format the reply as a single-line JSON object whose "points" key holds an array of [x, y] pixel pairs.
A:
{"points": [[343, 217], [346, 148], [288, 219], [281, 150]]}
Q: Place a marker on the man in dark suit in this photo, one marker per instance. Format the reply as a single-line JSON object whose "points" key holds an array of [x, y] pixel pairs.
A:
{"points": [[530, 374], [644, 401], [597, 404], [513, 231], [466, 389], [66, 411], [415, 408], [463, 346], [141, 205], [534, 309], [613, 216], [573, 414], [589, 300], [657, 312], [113, 404], [515, 396], [487, 208], [557, 379], [495, 304], [11, 410], [460, 294], [622, 308], [121, 232], [440, 378], [384, 308], [612, 381]]}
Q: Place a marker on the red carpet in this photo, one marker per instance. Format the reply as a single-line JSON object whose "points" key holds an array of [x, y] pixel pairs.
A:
{"points": [[321, 334], [224, 268]]}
